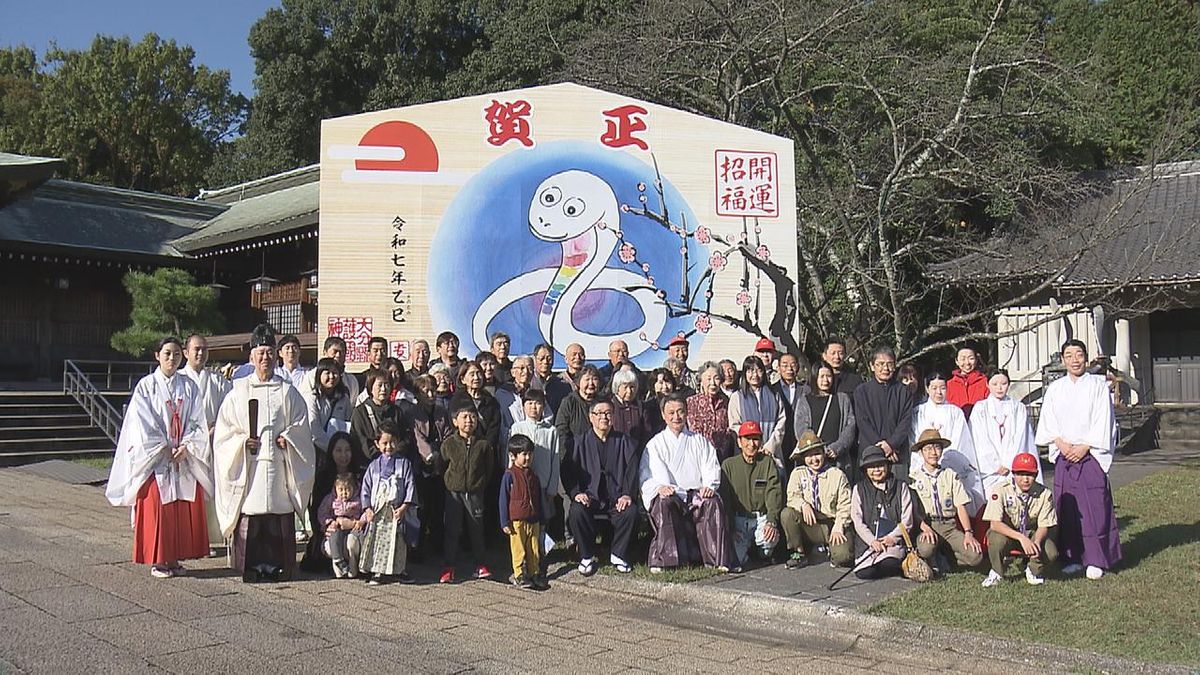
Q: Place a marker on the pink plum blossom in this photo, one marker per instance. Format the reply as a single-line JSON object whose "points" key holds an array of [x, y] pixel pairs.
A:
{"points": [[703, 234], [763, 252], [717, 261], [627, 253], [703, 323]]}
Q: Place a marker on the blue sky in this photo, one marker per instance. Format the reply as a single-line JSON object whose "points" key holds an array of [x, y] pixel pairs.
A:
{"points": [[215, 29]]}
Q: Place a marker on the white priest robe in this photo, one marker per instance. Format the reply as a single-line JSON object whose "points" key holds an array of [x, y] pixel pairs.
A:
{"points": [[275, 480], [959, 456], [1001, 431], [212, 387], [686, 461], [1079, 410], [147, 439]]}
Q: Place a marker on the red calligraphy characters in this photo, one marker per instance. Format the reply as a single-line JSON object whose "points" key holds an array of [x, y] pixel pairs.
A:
{"points": [[625, 121], [356, 331], [508, 122], [747, 184]]}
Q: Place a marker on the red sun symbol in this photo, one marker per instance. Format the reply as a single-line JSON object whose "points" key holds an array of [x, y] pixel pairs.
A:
{"points": [[420, 153]]}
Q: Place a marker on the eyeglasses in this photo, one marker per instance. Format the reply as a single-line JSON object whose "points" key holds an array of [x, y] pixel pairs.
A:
{"points": [[602, 413]]}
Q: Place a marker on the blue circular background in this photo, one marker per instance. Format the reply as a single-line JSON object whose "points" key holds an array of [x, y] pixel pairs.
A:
{"points": [[484, 240]]}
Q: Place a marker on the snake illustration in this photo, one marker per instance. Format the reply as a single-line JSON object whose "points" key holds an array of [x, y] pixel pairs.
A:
{"points": [[579, 210]]}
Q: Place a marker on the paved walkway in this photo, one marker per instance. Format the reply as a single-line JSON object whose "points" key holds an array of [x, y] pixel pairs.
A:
{"points": [[71, 602]]}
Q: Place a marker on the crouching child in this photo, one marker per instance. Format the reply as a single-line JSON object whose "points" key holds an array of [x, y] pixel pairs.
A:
{"points": [[818, 506], [944, 502], [1021, 518]]}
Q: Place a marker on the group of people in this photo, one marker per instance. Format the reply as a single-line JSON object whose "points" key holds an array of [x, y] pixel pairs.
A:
{"points": [[728, 466]]}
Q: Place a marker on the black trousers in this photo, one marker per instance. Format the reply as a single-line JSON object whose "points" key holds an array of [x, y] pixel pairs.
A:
{"points": [[460, 508], [582, 521]]}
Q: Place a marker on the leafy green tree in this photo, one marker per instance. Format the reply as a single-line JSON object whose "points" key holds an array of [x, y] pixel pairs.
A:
{"points": [[166, 302], [325, 58], [1141, 60], [134, 115], [922, 131]]}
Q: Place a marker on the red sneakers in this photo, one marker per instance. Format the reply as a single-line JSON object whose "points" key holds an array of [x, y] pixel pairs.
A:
{"points": [[482, 572], [447, 576]]}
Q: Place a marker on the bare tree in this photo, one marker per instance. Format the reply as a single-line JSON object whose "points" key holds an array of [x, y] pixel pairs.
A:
{"points": [[926, 134]]}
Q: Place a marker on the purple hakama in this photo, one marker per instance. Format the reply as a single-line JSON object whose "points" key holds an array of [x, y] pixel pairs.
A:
{"points": [[1087, 523], [685, 534]]}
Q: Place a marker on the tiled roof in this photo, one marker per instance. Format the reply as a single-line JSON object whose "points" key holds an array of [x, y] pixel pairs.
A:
{"points": [[260, 208], [84, 216], [19, 173], [1153, 237]]}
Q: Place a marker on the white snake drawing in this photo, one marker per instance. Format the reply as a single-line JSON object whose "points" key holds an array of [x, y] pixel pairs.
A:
{"points": [[579, 210]]}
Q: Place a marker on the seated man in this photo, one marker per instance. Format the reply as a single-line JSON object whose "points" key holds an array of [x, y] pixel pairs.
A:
{"points": [[751, 492], [600, 476], [679, 477]]}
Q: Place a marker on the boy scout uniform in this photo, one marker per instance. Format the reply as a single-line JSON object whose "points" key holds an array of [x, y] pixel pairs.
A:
{"points": [[1024, 512], [828, 493], [941, 494]]}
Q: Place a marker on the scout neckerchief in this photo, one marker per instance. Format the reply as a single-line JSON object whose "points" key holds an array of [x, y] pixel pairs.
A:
{"points": [[1025, 499], [816, 489], [937, 502]]}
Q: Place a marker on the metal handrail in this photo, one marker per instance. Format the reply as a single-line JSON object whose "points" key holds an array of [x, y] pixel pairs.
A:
{"points": [[79, 386], [116, 375]]}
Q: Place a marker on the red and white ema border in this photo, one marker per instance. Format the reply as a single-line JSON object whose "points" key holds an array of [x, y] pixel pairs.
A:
{"points": [[396, 152]]}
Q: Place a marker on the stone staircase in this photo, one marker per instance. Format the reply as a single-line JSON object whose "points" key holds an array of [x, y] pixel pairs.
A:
{"points": [[41, 425]]}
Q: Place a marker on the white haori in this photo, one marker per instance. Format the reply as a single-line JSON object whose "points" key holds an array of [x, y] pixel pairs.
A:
{"points": [[1079, 410], [163, 413], [275, 480], [686, 461], [1001, 431]]}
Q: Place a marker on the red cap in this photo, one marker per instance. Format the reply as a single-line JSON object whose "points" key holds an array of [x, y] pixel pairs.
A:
{"points": [[677, 340], [764, 345], [1025, 463], [749, 429]]}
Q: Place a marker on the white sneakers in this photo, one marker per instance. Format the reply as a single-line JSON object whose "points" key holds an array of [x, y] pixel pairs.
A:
{"points": [[992, 579], [1033, 579], [1093, 572]]}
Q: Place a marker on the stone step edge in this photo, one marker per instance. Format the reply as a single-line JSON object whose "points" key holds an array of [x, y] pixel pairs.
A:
{"points": [[848, 626]]}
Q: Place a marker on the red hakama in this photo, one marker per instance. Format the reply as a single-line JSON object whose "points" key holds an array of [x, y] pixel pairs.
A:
{"points": [[164, 533]]}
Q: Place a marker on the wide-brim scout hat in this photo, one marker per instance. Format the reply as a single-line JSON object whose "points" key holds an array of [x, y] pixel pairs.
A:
{"points": [[871, 456], [808, 442], [931, 437]]}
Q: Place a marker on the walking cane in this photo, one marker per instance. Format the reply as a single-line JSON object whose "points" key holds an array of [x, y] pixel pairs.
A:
{"points": [[853, 566]]}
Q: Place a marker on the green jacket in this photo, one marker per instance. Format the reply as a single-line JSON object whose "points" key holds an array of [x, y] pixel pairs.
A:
{"points": [[468, 469], [747, 488]]}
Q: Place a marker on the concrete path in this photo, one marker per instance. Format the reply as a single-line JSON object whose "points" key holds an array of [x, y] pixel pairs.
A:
{"points": [[71, 602]]}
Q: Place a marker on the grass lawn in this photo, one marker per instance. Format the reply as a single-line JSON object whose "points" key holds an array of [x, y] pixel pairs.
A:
{"points": [[102, 463], [1149, 609], [679, 575]]}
